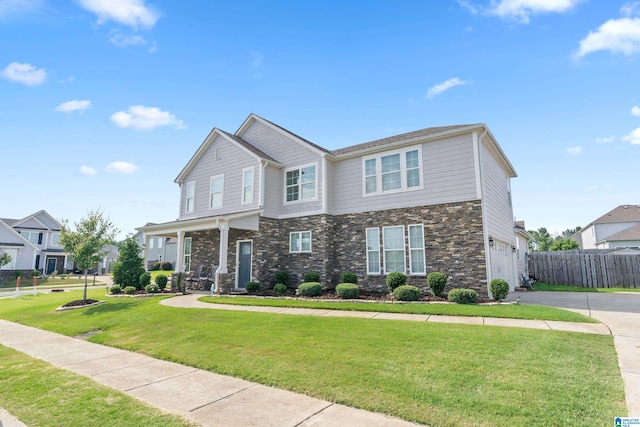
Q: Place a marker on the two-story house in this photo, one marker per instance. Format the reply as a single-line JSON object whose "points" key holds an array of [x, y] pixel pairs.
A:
{"points": [[33, 243], [264, 199], [156, 249], [617, 229]]}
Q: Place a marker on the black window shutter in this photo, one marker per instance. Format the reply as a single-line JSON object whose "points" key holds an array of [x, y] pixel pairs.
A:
{"points": [[37, 262], [40, 238]]}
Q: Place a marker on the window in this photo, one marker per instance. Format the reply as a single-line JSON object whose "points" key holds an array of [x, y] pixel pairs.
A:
{"points": [[247, 185], [191, 196], [151, 243], [217, 186], [393, 244], [395, 171], [32, 237], [55, 239], [187, 254], [373, 251], [300, 184], [416, 249], [160, 242], [300, 241], [509, 191]]}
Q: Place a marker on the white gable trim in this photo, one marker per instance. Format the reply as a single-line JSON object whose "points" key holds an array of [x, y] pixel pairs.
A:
{"points": [[33, 217], [19, 236]]}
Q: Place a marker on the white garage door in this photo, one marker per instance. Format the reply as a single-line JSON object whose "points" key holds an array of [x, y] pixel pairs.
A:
{"points": [[502, 263]]}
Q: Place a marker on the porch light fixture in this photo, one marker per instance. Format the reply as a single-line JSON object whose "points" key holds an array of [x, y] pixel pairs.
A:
{"points": [[513, 249], [490, 241]]}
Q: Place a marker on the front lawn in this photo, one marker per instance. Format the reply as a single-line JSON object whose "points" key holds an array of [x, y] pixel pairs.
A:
{"points": [[431, 373], [512, 311], [541, 286]]}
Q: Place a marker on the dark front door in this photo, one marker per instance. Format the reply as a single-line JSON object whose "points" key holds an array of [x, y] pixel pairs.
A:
{"points": [[244, 264], [51, 265]]}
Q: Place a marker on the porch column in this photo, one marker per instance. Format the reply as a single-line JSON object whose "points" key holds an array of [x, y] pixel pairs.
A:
{"points": [[223, 225], [179, 252], [146, 252]]}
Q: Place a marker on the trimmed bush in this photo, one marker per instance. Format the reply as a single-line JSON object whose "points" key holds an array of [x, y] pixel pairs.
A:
{"points": [[348, 277], [499, 289], [145, 279], [161, 281], [463, 296], [395, 280], [253, 287], [35, 273], [152, 288], [406, 293], [115, 290], [282, 277], [18, 273], [437, 281], [155, 266], [130, 290], [311, 276], [310, 289], [348, 290], [280, 289], [166, 266]]}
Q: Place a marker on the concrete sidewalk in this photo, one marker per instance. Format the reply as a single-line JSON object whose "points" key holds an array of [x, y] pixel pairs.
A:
{"points": [[204, 397]]}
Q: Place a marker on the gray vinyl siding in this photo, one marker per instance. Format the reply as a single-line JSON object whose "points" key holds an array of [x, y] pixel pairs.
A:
{"points": [[603, 231], [290, 154], [48, 222], [273, 191], [498, 213], [231, 162], [448, 176]]}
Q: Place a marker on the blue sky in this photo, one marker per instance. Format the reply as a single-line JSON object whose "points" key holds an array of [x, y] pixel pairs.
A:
{"points": [[104, 101]]}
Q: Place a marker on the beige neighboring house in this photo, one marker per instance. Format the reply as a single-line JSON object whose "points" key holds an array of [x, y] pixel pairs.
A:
{"points": [[617, 229], [522, 249]]}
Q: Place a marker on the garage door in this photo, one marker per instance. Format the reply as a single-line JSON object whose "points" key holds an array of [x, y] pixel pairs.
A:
{"points": [[502, 263]]}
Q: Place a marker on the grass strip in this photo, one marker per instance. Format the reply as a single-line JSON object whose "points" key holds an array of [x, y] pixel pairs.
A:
{"points": [[541, 286], [513, 311], [41, 395]]}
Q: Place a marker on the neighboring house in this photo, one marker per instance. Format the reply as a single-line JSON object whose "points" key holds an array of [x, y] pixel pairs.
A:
{"points": [[264, 199], [33, 243], [617, 229], [522, 250], [156, 248], [109, 258]]}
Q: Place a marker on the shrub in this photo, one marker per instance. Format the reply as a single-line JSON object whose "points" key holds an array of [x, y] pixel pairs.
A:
{"points": [[17, 274], [437, 281], [348, 277], [310, 289], [129, 290], [127, 271], [311, 276], [35, 273], [253, 287], [161, 281], [145, 279], [348, 290], [155, 266], [406, 293], [499, 289], [395, 279], [280, 289], [166, 266], [463, 296], [282, 277], [152, 288], [115, 289]]}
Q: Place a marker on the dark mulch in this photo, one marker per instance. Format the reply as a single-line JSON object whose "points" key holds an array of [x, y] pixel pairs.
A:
{"points": [[80, 303]]}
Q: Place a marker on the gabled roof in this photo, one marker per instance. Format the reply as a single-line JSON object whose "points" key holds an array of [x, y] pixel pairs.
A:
{"points": [[623, 213], [40, 217], [631, 233], [20, 240]]}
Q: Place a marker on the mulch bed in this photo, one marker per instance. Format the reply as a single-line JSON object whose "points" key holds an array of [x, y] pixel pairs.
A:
{"points": [[80, 303], [364, 296]]}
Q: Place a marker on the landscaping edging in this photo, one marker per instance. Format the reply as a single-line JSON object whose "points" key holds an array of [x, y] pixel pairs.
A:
{"points": [[79, 306], [157, 294]]}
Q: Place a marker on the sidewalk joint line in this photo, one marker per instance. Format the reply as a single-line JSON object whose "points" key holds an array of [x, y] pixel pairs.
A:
{"points": [[223, 397], [315, 413], [163, 379]]}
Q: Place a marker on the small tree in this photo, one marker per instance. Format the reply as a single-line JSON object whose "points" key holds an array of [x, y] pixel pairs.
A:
{"points": [[5, 258], [130, 266], [86, 244]]}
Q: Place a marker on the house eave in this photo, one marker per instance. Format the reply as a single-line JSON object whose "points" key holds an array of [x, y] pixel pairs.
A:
{"points": [[170, 229]]}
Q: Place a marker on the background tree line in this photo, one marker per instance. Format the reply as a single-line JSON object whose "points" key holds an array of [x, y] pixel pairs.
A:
{"points": [[542, 240]]}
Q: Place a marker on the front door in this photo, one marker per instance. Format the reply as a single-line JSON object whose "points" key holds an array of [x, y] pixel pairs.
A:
{"points": [[51, 265], [244, 264]]}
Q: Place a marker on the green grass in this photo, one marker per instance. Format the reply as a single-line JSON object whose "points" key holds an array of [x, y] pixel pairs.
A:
{"points": [[155, 273], [41, 395], [27, 283], [504, 310], [541, 286], [436, 374]]}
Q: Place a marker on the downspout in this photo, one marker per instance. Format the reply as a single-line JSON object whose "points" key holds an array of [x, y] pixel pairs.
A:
{"points": [[483, 206]]}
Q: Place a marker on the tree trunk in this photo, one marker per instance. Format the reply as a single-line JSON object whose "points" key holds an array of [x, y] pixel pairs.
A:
{"points": [[85, 284]]}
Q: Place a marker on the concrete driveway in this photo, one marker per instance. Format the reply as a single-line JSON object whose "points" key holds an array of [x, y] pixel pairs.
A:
{"points": [[620, 312]]}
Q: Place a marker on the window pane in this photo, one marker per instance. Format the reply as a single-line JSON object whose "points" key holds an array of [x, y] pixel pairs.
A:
{"points": [[394, 261], [309, 174], [412, 159], [292, 177], [248, 194], [413, 178], [56, 240], [417, 261], [306, 242], [294, 244], [308, 191], [390, 163], [187, 246], [374, 262], [371, 184], [216, 200], [416, 239], [391, 181], [393, 237], [292, 193], [216, 185], [370, 167], [372, 239]]}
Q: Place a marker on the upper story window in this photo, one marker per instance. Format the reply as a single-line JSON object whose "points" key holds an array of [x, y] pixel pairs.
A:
{"points": [[151, 243], [32, 236], [392, 171], [300, 183], [191, 197], [247, 185], [509, 191], [55, 239], [217, 187], [160, 239]]}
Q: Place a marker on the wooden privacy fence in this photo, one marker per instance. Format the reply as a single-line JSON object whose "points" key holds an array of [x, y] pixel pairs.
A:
{"points": [[588, 269]]}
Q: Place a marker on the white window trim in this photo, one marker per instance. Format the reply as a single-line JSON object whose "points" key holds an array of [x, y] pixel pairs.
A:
{"points": [[300, 237], [151, 243], [190, 184], [366, 236], [404, 249], [184, 253], [245, 185], [300, 199], [403, 171], [213, 178], [424, 260], [160, 242], [53, 238]]}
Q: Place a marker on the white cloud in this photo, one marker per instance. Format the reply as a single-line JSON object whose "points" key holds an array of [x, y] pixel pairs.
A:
{"points": [[75, 105], [145, 118], [121, 168], [616, 35], [606, 139], [633, 137], [574, 150], [466, 4], [635, 111], [122, 40], [441, 87], [25, 73], [11, 7], [631, 8], [521, 10], [594, 188], [133, 13], [87, 171]]}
